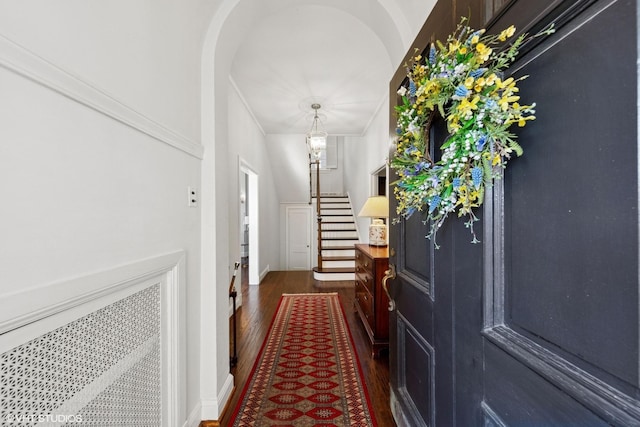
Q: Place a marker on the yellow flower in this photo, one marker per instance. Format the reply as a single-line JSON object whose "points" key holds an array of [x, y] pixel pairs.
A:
{"points": [[506, 33], [496, 160], [454, 123], [432, 87], [475, 39], [522, 120], [466, 106], [462, 50], [506, 100], [483, 51], [454, 46], [491, 79], [469, 82], [509, 83], [479, 84]]}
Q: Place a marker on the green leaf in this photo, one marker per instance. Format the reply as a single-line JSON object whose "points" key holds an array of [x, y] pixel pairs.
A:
{"points": [[447, 191], [516, 147], [486, 167]]}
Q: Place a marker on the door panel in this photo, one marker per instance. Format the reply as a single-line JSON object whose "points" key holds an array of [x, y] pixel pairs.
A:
{"points": [[561, 273], [415, 250], [298, 238], [415, 376], [527, 401], [569, 309]]}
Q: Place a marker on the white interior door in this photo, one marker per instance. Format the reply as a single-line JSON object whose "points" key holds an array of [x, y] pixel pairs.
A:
{"points": [[298, 238]]}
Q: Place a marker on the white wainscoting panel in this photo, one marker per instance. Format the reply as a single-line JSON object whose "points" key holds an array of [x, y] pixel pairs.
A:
{"points": [[106, 357]]}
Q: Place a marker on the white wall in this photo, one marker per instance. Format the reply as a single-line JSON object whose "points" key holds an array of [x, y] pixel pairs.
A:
{"points": [[365, 155], [290, 159], [87, 182], [247, 142], [145, 52]]}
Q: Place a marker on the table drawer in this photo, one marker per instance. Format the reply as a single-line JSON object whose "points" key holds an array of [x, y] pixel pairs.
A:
{"points": [[365, 301], [371, 263], [366, 278]]}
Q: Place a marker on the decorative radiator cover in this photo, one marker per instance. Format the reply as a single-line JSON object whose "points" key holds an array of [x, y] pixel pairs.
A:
{"points": [[103, 369]]}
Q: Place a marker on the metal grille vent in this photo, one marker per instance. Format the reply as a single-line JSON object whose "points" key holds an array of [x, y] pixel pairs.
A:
{"points": [[102, 369]]}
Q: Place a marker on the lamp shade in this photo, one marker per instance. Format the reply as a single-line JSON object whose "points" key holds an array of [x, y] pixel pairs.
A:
{"points": [[316, 141], [375, 207]]}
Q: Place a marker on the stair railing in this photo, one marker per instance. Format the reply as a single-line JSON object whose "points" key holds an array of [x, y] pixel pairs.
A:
{"points": [[318, 214], [310, 180]]}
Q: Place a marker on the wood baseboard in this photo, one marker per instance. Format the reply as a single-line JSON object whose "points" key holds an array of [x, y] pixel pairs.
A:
{"points": [[209, 423]]}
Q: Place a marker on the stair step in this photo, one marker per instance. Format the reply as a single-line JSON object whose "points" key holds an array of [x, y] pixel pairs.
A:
{"points": [[339, 238], [338, 248], [337, 212], [335, 270], [337, 264], [339, 251], [338, 258], [334, 277]]}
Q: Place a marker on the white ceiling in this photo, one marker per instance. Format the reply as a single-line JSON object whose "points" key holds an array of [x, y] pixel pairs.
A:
{"points": [[314, 53]]}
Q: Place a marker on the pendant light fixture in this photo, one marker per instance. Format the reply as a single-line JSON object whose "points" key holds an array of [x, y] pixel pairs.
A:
{"points": [[316, 138]]}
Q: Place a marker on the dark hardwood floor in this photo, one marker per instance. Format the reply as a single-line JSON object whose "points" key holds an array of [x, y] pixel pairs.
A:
{"points": [[259, 304]]}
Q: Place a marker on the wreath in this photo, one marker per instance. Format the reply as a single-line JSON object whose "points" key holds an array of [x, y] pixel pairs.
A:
{"points": [[461, 80]]}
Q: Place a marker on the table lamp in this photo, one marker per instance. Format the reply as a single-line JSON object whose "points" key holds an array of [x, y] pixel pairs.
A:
{"points": [[376, 207]]}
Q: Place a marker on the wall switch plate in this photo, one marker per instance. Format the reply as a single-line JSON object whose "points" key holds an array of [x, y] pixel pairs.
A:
{"points": [[193, 197]]}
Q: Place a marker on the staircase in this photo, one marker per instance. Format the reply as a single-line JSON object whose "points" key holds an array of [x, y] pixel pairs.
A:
{"points": [[337, 238]]}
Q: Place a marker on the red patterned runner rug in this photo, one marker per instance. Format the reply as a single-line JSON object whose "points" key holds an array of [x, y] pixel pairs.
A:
{"points": [[307, 372]]}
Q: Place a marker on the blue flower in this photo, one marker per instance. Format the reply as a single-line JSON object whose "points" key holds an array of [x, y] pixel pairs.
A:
{"points": [[412, 88], [433, 203], [477, 73], [491, 104], [476, 176], [399, 131], [410, 212], [409, 172], [477, 33], [456, 183], [432, 54], [481, 142], [461, 92], [422, 166]]}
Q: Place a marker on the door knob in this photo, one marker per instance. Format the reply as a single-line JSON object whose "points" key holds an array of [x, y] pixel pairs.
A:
{"points": [[389, 274]]}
